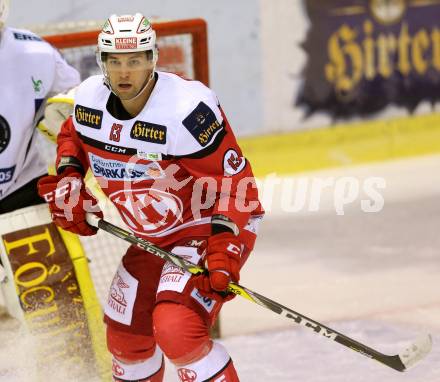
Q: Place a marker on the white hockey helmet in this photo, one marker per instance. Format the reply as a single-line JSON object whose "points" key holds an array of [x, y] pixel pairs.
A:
{"points": [[4, 11], [127, 33]]}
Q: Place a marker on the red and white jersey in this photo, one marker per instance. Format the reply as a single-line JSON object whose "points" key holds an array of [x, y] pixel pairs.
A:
{"points": [[31, 71], [169, 169]]}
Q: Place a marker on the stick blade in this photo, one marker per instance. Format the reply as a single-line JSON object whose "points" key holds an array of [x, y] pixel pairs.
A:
{"points": [[416, 351]]}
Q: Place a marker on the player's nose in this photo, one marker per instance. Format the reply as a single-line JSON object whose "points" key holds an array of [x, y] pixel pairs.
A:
{"points": [[124, 71], [124, 74]]}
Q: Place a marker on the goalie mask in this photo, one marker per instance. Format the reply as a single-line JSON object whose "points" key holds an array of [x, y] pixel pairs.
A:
{"points": [[4, 10], [127, 34]]}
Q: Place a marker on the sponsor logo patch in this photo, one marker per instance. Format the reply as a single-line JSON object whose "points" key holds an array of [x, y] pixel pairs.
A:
{"points": [[121, 297], [26, 37], [117, 296], [126, 43], [6, 174], [173, 277], [149, 156], [202, 124], [124, 19], [115, 149], [149, 132], [116, 170], [5, 134], [88, 117], [207, 303]]}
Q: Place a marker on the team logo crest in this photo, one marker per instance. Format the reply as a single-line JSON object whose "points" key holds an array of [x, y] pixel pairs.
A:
{"points": [[38, 87], [233, 163], [117, 370], [186, 375], [148, 211]]}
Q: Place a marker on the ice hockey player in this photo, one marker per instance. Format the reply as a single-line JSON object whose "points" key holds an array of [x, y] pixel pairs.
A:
{"points": [[165, 155], [31, 71]]}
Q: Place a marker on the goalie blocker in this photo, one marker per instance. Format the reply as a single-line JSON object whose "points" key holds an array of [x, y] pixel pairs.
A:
{"points": [[47, 286]]}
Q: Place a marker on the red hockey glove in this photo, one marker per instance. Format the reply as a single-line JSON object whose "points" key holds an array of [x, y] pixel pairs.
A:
{"points": [[223, 264], [69, 201]]}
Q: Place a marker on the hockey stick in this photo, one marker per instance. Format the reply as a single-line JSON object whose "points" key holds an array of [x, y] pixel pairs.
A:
{"points": [[400, 362]]}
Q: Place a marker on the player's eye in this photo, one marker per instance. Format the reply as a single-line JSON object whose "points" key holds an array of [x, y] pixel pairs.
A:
{"points": [[134, 63], [113, 62]]}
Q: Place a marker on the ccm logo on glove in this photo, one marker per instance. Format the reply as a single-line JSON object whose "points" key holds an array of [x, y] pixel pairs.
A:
{"points": [[223, 265], [234, 249], [69, 201], [63, 190]]}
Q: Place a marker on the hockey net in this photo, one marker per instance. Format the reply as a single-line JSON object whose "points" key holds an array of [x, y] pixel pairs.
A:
{"points": [[183, 50]]}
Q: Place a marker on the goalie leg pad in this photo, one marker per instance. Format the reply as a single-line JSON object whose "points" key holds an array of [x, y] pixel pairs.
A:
{"points": [[150, 370], [216, 366], [180, 332]]}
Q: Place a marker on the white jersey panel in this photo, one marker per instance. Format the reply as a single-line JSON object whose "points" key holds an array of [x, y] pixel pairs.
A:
{"points": [[172, 101], [31, 71]]}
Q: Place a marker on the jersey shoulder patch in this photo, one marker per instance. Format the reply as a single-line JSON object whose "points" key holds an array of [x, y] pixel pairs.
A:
{"points": [[202, 123], [91, 92]]}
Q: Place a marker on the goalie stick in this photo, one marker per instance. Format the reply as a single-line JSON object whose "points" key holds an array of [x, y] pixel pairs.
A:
{"points": [[400, 362]]}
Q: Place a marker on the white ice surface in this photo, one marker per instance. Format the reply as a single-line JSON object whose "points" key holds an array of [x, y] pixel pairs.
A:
{"points": [[372, 276]]}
